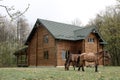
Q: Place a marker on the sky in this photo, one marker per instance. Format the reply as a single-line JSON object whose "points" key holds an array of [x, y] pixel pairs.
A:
{"points": [[64, 11]]}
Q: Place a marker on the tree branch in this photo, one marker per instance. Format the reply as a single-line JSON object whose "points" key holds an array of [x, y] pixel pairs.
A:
{"points": [[14, 15], [6, 10], [20, 14]]}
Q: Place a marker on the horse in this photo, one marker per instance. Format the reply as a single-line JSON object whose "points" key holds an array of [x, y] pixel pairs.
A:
{"points": [[88, 57], [71, 58], [78, 60], [94, 58]]}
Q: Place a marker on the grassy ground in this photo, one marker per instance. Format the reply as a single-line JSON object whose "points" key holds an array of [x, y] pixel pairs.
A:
{"points": [[105, 73]]}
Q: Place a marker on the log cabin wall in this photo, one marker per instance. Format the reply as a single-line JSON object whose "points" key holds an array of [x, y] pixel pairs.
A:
{"points": [[79, 46], [101, 62], [100, 47], [94, 47], [42, 47], [37, 48], [32, 51], [63, 45], [91, 43]]}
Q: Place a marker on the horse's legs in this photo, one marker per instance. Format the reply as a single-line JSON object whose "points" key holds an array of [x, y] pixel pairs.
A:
{"points": [[83, 64], [74, 67], [79, 68], [83, 68], [96, 68], [73, 63], [67, 66]]}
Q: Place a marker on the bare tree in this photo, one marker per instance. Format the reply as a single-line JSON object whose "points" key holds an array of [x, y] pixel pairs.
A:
{"points": [[76, 22], [22, 30], [15, 14], [8, 30]]}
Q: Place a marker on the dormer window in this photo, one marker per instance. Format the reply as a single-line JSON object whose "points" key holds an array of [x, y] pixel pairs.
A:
{"points": [[91, 40]]}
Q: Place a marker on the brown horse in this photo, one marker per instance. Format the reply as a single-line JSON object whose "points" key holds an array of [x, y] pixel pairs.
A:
{"points": [[88, 57], [72, 58], [78, 60]]}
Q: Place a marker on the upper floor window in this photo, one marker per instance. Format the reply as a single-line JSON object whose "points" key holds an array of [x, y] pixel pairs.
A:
{"points": [[45, 39], [90, 39]]}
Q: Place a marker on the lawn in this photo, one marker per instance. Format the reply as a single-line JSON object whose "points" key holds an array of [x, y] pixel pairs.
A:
{"points": [[41, 73]]}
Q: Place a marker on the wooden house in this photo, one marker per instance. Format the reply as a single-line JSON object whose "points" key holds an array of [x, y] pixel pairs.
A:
{"points": [[49, 42]]}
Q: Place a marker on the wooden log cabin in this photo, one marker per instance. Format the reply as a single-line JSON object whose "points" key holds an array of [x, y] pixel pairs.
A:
{"points": [[49, 42]]}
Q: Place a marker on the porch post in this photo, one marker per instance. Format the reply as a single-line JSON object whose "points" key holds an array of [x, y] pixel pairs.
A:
{"points": [[17, 59]]}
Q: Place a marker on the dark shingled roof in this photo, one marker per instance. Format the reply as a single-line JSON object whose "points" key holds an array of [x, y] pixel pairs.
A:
{"points": [[64, 31], [60, 30]]}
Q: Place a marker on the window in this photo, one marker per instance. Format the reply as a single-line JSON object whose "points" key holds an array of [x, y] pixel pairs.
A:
{"points": [[46, 55], [65, 54], [90, 39], [45, 39]]}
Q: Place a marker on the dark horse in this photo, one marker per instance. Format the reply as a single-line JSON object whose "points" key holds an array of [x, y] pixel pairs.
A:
{"points": [[80, 59], [72, 58]]}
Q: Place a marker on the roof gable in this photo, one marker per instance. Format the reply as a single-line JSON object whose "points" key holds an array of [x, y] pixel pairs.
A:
{"points": [[83, 33], [60, 30], [63, 31]]}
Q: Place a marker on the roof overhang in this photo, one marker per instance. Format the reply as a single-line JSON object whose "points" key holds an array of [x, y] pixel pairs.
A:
{"points": [[21, 51]]}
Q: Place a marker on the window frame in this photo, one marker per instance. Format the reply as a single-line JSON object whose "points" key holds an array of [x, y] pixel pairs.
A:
{"points": [[45, 38], [46, 54], [91, 40], [65, 54]]}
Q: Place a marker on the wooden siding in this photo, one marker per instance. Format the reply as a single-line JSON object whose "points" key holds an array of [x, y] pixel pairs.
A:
{"points": [[32, 51], [55, 47], [37, 48], [71, 46], [91, 46], [80, 46], [63, 45]]}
